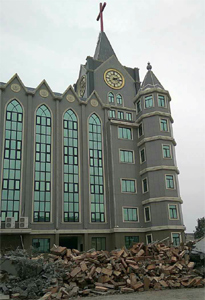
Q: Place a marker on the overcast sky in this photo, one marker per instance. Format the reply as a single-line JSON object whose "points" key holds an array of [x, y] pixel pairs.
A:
{"points": [[49, 39]]}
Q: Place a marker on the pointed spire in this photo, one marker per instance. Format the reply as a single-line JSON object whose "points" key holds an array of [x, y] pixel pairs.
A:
{"points": [[103, 49], [150, 80]]}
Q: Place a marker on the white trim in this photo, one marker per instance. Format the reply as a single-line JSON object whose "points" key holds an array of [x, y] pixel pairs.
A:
{"points": [[168, 125], [155, 138], [162, 199], [51, 163], [139, 136], [143, 192], [140, 150], [140, 106], [150, 234], [158, 168], [133, 156], [165, 99], [150, 218], [79, 171], [128, 179], [170, 150], [124, 128], [103, 166], [22, 148], [152, 101], [177, 210], [174, 188], [132, 207], [95, 231], [180, 237], [151, 90], [156, 113]]}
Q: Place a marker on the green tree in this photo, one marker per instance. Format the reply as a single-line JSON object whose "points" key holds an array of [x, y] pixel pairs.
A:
{"points": [[200, 228]]}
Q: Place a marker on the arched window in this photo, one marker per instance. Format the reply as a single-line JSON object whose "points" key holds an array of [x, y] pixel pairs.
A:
{"points": [[42, 176], [11, 183], [71, 167], [96, 170], [111, 97], [119, 99]]}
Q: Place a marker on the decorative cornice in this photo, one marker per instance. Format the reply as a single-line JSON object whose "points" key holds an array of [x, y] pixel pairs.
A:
{"points": [[121, 108], [155, 138], [116, 122], [162, 199], [155, 113], [158, 168], [93, 231], [151, 90]]}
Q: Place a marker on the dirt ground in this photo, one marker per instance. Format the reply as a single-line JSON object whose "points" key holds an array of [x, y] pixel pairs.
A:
{"points": [[178, 294]]}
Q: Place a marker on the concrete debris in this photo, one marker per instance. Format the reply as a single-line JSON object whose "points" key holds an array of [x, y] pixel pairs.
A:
{"points": [[66, 273]]}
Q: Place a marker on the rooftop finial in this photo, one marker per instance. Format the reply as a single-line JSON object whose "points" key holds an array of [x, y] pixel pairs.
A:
{"points": [[149, 67]]}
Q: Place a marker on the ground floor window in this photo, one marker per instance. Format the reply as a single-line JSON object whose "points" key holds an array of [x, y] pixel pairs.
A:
{"points": [[99, 243], [149, 238], [176, 239], [129, 240], [41, 245]]}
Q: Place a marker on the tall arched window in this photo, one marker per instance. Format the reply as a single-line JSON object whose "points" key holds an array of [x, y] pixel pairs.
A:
{"points": [[71, 169], [111, 97], [11, 183], [96, 170], [119, 99], [42, 179]]}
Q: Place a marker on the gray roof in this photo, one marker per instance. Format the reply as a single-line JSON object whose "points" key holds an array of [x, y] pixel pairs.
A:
{"points": [[150, 80], [103, 49]]}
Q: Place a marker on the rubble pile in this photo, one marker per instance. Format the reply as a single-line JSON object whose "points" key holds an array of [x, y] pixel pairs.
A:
{"points": [[67, 273]]}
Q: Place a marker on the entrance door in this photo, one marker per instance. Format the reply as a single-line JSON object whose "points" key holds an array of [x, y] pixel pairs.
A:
{"points": [[71, 242]]}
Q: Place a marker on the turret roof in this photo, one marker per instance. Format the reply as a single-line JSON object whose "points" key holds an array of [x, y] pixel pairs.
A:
{"points": [[150, 80]]}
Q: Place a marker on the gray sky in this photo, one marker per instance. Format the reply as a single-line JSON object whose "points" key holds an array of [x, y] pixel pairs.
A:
{"points": [[49, 39]]}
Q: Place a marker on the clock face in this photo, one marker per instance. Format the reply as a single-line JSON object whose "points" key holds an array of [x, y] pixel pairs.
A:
{"points": [[114, 79], [82, 86]]}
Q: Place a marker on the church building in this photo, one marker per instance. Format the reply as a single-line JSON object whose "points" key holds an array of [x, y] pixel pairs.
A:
{"points": [[93, 167]]}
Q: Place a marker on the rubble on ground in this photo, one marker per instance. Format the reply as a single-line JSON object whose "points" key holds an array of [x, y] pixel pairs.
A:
{"points": [[66, 273]]}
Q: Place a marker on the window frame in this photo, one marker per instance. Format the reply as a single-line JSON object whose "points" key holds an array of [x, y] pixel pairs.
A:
{"points": [[128, 179], [177, 212], [170, 150], [151, 95], [150, 218], [108, 96], [174, 185], [129, 237], [149, 234], [167, 120], [120, 114], [143, 191], [38, 242], [180, 238], [145, 158], [165, 101], [125, 139], [125, 162], [95, 239], [120, 104], [140, 106], [139, 136], [128, 114], [137, 214], [113, 111]]}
